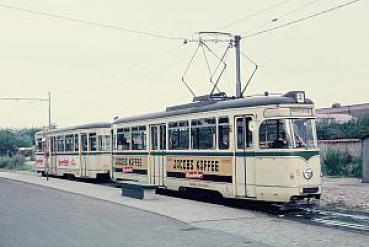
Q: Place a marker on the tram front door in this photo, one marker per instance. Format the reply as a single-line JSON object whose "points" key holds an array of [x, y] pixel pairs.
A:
{"points": [[245, 184], [157, 154]]}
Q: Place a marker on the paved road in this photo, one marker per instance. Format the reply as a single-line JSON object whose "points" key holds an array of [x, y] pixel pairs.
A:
{"points": [[35, 216]]}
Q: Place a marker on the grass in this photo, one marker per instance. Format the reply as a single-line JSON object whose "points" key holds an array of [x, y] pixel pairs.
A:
{"points": [[341, 163]]}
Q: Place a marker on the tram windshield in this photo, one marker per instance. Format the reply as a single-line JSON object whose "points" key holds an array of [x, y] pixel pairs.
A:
{"points": [[304, 133], [287, 133]]}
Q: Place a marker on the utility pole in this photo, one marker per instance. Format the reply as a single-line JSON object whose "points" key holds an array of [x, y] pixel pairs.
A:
{"points": [[237, 41], [16, 99], [48, 141]]}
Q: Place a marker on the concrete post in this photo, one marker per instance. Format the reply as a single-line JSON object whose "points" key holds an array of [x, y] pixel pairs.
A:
{"points": [[365, 159]]}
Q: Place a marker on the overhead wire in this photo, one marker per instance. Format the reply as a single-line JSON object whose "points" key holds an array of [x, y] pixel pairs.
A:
{"points": [[146, 60], [300, 19], [91, 23], [130, 67], [242, 19], [277, 18]]}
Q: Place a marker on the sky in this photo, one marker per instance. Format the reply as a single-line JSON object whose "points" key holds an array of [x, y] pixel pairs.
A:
{"points": [[95, 73]]}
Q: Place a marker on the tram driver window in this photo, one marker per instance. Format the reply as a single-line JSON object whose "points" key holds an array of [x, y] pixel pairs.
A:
{"points": [[274, 134], [92, 141], [223, 129], [123, 139], [178, 135]]}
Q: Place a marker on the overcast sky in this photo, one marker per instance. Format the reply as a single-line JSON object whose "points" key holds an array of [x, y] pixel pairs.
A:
{"points": [[96, 73]]}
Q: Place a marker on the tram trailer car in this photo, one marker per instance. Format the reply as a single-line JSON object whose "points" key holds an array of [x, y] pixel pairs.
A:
{"points": [[41, 154], [260, 148], [81, 151]]}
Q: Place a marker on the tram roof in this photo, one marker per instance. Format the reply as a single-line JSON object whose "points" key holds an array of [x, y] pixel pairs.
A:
{"points": [[213, 105], [97, 125]]}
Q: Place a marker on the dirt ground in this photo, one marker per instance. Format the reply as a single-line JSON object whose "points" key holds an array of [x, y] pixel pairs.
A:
{"points": [[347, 193]]}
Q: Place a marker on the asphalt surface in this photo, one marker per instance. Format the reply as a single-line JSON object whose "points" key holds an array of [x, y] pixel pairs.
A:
{"points": [[36, 216]]}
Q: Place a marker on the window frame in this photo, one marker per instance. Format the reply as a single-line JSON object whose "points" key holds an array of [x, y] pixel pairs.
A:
{"points": [[199, 125], [218, 132], [179, 126], [69, 146], [141, 132], [92, 136], [246, 145], [288, 136], [124, 131]]}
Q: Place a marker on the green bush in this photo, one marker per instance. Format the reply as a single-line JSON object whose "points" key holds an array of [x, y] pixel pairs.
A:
{"points": [[340, 163], [331, 130], [15, 162]]}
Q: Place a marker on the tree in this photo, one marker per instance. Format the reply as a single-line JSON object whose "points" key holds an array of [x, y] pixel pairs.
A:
{"points": [[11, 139]]}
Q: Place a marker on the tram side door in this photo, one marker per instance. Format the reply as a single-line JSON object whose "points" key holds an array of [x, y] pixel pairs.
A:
{"points": [[52, 157], [83, 154], [157, 154], [244, 158]]}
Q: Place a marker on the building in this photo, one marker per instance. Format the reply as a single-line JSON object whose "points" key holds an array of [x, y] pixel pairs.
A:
{"points": [[343, 114]]}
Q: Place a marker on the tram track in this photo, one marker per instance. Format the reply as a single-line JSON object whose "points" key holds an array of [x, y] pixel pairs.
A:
{"points": [[346, 220]]}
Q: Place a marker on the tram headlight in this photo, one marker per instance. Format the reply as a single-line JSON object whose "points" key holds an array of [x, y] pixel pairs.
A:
{"points": [[308, 173]]}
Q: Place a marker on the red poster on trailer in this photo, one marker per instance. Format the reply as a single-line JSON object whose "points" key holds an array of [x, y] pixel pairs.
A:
{"points": [[127, 169]]}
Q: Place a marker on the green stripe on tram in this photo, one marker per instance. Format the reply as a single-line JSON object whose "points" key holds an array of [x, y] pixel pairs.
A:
{"points": [[303, 154]]}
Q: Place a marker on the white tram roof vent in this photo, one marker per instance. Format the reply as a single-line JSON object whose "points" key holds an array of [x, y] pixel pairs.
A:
{"points": [[202, 100], [210, 97]]}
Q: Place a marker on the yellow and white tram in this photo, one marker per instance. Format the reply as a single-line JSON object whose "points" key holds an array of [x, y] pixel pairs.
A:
{"points": [[81, 151], [260, 148]]}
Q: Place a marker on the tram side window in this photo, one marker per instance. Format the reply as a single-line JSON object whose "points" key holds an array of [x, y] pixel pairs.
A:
{"points": [[92, 141], [39, 144], [203, 133], [223, 130], [60, 143], [104, 142], [114, 141], [154, 137], [139, 138], [76, 143], [163, 137], [52, 146], [123, 139], [274, 134], [69, 143], [178, 135], [84, 142], [244, 135]]}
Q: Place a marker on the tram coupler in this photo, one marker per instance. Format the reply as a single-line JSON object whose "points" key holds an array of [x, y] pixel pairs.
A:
{"points": [[301, 207]]}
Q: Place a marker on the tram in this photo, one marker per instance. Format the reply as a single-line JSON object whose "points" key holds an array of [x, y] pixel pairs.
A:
{"points": [[80, 151], [259, 148]]}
